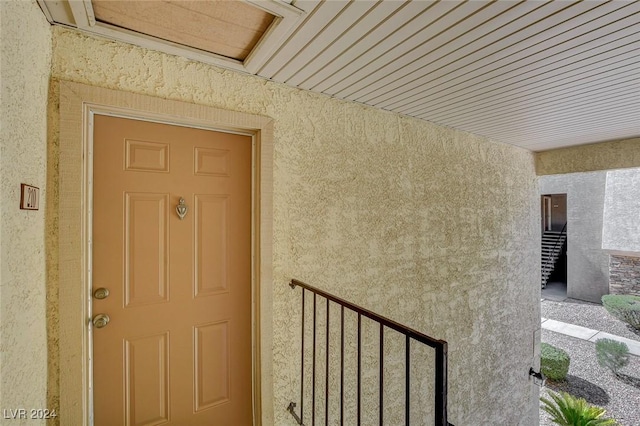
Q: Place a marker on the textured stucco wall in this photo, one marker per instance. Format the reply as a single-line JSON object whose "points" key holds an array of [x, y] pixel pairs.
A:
{"points": [[587, 158], [435, 228], [25, 40], [587, 263], [621, 231]]}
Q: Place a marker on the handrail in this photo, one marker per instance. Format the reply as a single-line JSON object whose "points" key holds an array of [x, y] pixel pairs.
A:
{"points": [[556, 244], [440, 347], [372, 315]]}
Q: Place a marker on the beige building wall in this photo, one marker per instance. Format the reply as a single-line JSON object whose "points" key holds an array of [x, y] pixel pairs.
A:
{"points": [[589, 158], [587, 263], [432, 227], [25, 43], [621, 229]]}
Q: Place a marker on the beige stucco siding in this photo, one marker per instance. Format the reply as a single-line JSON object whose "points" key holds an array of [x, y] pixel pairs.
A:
{"points": [[587, 158], [432, 227], [25, 39], [621, 229], [587, 263]]}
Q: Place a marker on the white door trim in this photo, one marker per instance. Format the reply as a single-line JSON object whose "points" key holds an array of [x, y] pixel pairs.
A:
{"points": [[78, 104], [546, 213]]}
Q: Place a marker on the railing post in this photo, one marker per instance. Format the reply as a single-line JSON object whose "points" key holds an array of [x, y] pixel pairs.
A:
{"points": [[302, 364], [381, 403], [441, 385], [341, 365], [313, 373], [407, 380], [326, 372], [359, 366]]}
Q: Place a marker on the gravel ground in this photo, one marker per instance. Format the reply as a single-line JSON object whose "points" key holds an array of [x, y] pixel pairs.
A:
{"points": [[586, 379], [588, 315]]}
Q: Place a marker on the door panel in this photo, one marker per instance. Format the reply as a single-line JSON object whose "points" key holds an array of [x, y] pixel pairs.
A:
{"points": [[146, 380], [146, 250], [146, 156], [212, 360], [210, 245], [177, 349]]}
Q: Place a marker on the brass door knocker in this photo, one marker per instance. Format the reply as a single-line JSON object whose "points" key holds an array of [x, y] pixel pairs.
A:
{"points": [[181, 209]]}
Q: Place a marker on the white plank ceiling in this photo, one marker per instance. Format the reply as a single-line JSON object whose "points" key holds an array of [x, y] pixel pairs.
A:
{"points": [[536, 74]]}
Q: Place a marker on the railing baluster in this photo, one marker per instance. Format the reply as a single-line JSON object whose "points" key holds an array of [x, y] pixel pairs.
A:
{"points": [[326, 376], [407, 381], [302, 363], [341, 365], [439, 346], [359, 362], [313, 374], [381, 373], [441, 385]]}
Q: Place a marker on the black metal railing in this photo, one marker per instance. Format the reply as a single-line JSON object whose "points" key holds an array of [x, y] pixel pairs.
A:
{"points": [[410, 335], [551, 258]]}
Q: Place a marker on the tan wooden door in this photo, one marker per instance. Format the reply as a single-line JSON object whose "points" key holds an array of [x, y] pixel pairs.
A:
{"points": [[177, 348]]}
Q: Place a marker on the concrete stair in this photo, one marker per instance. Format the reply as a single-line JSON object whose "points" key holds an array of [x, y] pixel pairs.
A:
{"points": [[552, 242]]}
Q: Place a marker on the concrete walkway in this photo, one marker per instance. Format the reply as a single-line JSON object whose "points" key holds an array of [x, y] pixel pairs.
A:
{"points": [[588, 334]]}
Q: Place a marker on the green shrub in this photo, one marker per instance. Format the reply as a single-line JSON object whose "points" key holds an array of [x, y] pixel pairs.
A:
{"points": [[554, 362], [612, 354], [624, 307], [567, 410]]}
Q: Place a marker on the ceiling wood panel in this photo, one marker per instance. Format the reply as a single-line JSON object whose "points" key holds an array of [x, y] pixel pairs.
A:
{"points": [[570, 71], [594, 133], [516, 56], [389, 89], [549, 96], [510, 41], [315, 23], [454, 13], [524, 105], [472, 26], [344, 41], [333, 71], [575, 110], [327, 37], [536, 74], [385, 49], [582, 122], [599, 133]]}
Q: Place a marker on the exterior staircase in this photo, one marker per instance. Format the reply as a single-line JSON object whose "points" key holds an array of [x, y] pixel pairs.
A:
{"points": [[552, 243]]}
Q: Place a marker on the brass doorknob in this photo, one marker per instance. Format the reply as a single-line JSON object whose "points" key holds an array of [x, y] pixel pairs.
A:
{"points": [[101, 320]]}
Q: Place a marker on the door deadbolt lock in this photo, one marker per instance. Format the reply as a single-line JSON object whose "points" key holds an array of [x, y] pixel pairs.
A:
{"points": [[101, 293], [101, 320]]}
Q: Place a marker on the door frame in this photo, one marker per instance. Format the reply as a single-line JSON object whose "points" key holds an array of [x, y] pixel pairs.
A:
{"points": [[78, 104], [546, 213]]}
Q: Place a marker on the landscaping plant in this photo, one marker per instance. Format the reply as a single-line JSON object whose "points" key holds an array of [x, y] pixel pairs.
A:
{"points": [[625, 307], [567, 410], [612, 354], [554, 362]]}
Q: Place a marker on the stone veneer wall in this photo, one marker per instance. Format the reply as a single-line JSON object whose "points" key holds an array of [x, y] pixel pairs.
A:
{"points": [[624, 275], [435, 228]]}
